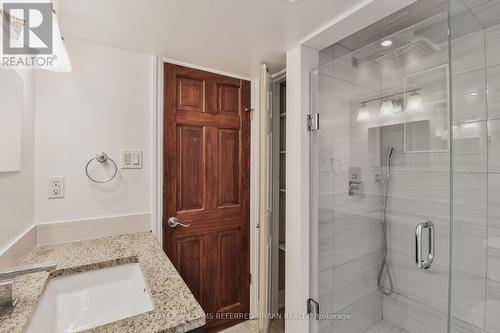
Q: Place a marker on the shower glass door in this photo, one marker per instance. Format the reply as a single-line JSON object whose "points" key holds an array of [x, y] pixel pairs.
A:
{"points": [[381, 177]]}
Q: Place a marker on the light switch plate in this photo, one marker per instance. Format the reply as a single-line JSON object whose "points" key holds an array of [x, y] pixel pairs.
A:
{"points": [[56, 188], [132, 159]]}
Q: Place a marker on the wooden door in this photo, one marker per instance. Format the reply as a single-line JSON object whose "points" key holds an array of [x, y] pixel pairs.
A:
{"points": [[207, 186]]}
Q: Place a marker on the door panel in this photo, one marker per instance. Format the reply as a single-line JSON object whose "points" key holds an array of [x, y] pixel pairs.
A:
{"points": [[207, 186], [229, 187], [190, 264], [190, 176], [190, 95]]}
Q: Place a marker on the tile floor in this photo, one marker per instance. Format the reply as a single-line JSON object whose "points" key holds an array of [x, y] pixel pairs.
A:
{"points": [[383, 326], [277, 326]]}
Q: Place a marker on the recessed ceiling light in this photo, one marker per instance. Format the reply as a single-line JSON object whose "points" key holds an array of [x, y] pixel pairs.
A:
{"points": [[386, 43]]}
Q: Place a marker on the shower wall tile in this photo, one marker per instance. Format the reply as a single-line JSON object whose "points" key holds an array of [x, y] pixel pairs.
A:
{"points": [[429, 287], [364, 313], [413, 316], [468, 53], [494, 146], [470, 147], [469, 248], [325, 326], [432, 186], [468, 295], [325, 250], [460, 326], [325, 282], [346, 205], [494, 200], [355, 280], [494, 254], [488, 14], [325, 208], [492, 36], [493, 307], [354, 237], [493, 75], [470, 198], [474, 3], [469, 96], [421, 193]]}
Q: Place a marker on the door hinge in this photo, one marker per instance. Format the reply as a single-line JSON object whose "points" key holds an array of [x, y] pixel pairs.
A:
{"points": [[250, 278], [251, 111], [313, 122], [313, 309]]}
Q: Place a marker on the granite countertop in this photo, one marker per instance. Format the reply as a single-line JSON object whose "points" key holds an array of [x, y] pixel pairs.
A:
{"points": [[175, 308]]}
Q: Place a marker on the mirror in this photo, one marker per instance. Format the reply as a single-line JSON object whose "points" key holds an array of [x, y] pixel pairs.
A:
{"points": [[426, 125], [11, 107]]}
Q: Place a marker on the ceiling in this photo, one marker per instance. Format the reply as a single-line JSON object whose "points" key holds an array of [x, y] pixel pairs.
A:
{"points": [[232, 36]]}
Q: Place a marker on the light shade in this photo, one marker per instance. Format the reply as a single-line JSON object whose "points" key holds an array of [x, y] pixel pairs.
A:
{"points": [[387, 108], [415, 103], [397, 106], [364, 113]]}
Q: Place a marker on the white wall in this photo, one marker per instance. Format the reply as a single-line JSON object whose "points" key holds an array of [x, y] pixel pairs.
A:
{"points": [[105, 104], [16, 188]]}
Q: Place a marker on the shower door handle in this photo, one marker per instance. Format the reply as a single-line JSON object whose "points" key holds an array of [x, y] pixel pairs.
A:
{"points": [[424, 263]]}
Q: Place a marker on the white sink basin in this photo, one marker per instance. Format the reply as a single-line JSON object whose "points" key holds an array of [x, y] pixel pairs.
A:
{"points": [[82, 301]]}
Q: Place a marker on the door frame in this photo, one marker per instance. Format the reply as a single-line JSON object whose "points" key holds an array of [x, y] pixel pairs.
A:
{"points": [[277, 79], [157, 162]]}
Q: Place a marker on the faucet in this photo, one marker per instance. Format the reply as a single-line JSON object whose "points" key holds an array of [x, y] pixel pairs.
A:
{"points": [[7, 280]]}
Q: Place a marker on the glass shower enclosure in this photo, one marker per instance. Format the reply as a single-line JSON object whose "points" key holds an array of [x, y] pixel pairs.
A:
{"points": [[405, 173]]}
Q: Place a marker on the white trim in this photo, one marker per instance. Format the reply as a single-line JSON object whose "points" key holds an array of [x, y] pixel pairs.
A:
{"points": [[300, 61], [211, 70], [336, 20], [254, 198], [254, 168], [352, 20], [279, 75], [11, 254], [157, 187]]}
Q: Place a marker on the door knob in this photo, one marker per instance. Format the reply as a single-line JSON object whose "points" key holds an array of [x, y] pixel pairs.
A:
{"points": [[174, 222]]}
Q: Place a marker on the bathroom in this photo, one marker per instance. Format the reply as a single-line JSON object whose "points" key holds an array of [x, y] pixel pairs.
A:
{"points": [[322, 166]]}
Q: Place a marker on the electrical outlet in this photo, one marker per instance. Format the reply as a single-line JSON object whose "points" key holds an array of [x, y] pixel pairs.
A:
{"points": [[56, 187]]}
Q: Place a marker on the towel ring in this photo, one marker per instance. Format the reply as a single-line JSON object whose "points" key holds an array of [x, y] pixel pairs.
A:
{"points": [[101, 158]]}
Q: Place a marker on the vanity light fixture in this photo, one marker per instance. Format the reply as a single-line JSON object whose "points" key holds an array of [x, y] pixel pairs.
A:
{"points": [[364, 113], [394, 103], [415, 102], [387, 108], [398, 107]]}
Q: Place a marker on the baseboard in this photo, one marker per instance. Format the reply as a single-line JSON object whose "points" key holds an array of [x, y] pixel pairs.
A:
{"points": [[63, 232], [19, 248], [281, 299]]}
